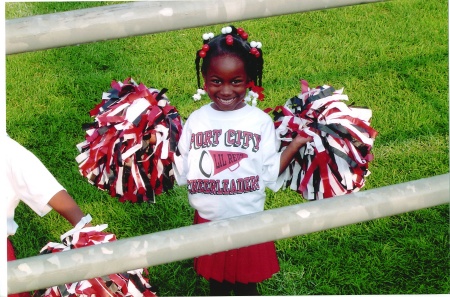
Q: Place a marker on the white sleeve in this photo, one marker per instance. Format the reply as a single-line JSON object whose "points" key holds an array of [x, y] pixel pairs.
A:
{"points": [[181, 161], [30, 180], [271, 159]]}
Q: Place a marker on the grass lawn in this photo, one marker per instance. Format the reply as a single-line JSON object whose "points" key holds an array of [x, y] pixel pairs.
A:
{"points": [[391, 57]]}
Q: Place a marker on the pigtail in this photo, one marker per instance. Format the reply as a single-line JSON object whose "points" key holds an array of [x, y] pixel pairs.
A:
{"points": [[201, 53], [259, 66], [197, 68]]}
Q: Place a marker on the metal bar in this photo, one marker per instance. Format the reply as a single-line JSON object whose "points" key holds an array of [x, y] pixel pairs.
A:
{"points": [[183, 243], [139, 18]]}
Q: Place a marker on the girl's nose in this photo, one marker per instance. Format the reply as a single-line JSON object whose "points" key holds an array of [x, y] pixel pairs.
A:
{"points": [[226, 90]]}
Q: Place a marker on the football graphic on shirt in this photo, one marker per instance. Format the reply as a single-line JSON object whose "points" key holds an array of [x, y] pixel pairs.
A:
{"points": [[212, 162]]}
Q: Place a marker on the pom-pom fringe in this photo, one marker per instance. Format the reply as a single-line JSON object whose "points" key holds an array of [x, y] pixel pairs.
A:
{"points": [[131, 283], [336, 161], [117, 155]]}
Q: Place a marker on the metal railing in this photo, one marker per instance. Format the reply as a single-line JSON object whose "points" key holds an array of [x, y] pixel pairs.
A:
{"points": [[145, 17], [187, 242]]}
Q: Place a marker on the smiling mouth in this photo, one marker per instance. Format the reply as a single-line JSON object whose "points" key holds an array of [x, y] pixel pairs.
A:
{"points": [[226, 101]]}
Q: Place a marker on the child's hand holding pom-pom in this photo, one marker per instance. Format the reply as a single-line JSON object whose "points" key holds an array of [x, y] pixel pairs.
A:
{"points": [[335, 159]]}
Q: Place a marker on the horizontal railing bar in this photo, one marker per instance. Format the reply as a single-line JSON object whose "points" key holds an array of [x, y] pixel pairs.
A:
{"points": [[188, 242], [144, 17]]}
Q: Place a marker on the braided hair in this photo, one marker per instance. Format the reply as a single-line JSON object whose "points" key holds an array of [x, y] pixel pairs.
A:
{"points": [[232, 41]]}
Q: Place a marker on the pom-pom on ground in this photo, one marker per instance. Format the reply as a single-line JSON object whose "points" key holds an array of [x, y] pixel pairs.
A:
{"points": [[129, 147], [336, 161], [132, 283]]}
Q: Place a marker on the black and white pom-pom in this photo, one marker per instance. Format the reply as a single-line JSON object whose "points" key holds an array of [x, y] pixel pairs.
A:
{"points": [[117, 155], [336, 161], [131, 283]]}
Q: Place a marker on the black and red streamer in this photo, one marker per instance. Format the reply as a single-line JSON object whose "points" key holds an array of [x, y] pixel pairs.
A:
{"points": [[336, 161], [132, 283], [117, 155]]}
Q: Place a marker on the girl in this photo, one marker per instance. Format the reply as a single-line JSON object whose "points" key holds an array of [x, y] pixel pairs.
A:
{"points": [[228, 155]]}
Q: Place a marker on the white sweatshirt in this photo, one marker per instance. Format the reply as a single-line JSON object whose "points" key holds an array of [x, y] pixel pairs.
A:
{"points": [[227, 160]]}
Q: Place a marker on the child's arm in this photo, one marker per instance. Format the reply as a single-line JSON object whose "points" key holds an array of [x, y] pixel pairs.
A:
{"points": [[288, 154], [64, 204], [30, 180]]}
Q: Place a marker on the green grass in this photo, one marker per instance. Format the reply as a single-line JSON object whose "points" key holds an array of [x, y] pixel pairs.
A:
{"points": [[390, 56]]}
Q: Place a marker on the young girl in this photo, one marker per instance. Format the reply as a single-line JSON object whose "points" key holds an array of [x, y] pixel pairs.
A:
{"points": [[229, 155]]}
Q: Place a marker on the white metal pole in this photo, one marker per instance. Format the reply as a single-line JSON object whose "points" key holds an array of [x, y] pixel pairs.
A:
{"points": [[140, 18], [188, 242]]}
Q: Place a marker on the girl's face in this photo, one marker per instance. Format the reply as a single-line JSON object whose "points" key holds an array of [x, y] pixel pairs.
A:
{"points": [[225, 82]]}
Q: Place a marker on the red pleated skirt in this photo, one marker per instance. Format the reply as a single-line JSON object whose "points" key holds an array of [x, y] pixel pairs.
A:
{"points": [[251, 264], [11, 256]]}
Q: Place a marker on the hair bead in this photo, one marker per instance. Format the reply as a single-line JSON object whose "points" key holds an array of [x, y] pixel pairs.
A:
{"points": [[229, 39], [208, 36], [242, 33], [255, 45], [227, 30], [202, 52]]}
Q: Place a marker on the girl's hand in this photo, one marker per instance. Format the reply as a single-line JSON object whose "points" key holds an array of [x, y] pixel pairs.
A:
{"points": [[300, 141], [288, 154], [152, 140]]}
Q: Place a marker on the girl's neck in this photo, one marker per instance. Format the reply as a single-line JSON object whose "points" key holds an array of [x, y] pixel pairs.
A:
{"points": [[240, 106]]}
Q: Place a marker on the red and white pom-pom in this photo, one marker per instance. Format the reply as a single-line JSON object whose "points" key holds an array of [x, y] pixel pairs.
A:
{"points": [[336, 161], [117, 155], [131, 283]]}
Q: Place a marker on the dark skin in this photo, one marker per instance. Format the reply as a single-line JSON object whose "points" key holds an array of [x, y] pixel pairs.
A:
{"points": [[226, 84], [64, 204]]}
